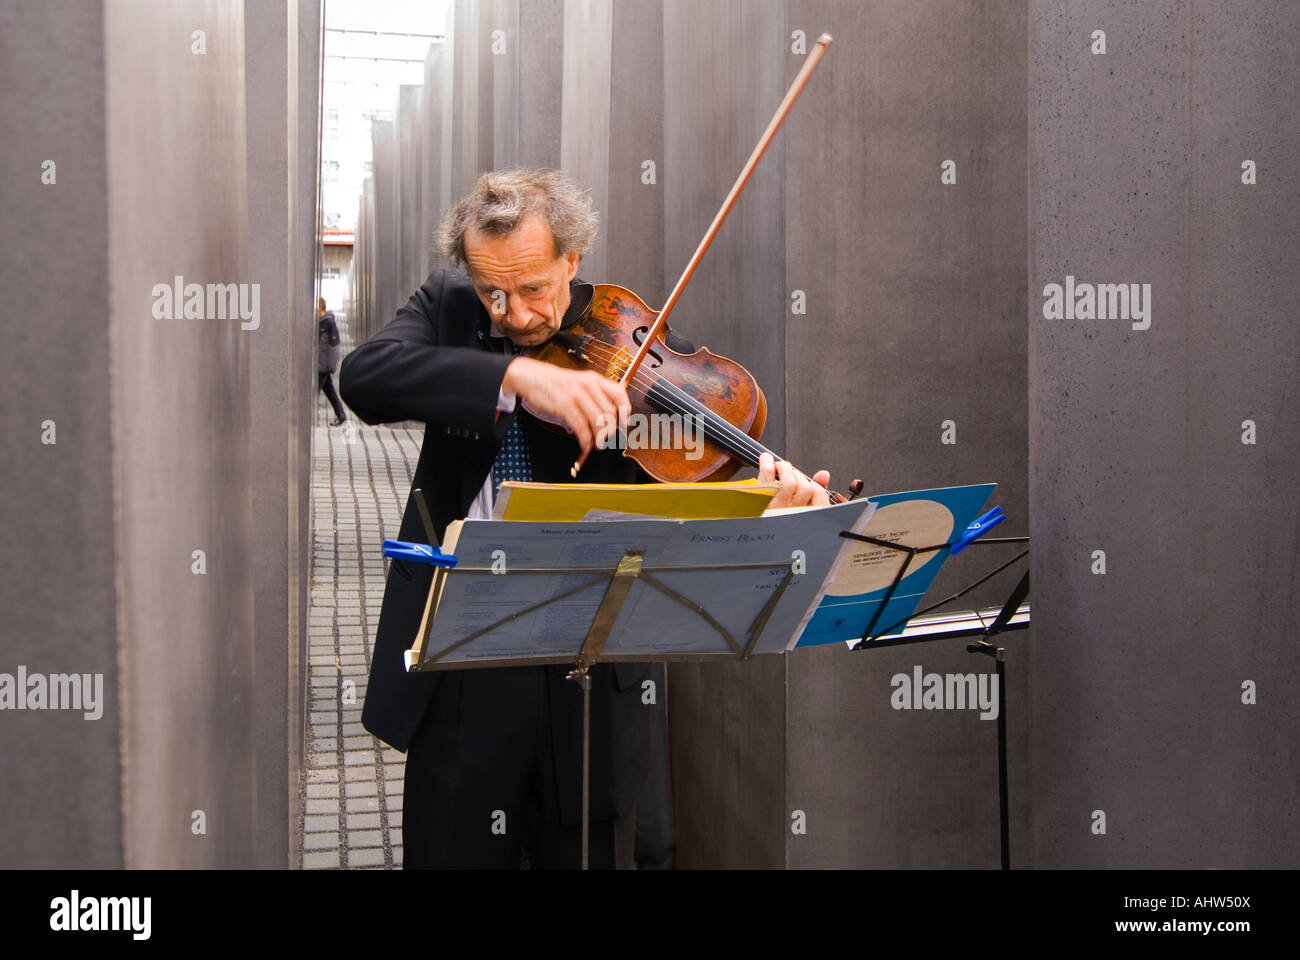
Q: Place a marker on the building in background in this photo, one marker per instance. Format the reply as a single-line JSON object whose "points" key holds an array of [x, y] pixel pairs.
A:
{"points": [[370, 51]]}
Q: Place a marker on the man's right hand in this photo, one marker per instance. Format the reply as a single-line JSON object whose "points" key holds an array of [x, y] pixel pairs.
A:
{"points": [[588, 403]]}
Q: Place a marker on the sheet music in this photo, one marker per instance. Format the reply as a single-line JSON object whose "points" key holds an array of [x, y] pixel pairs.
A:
{"points": [[918, 518], [473, 601]]}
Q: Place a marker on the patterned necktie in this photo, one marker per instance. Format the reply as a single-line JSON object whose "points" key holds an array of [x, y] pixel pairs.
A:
{"points": [[512, 461]]}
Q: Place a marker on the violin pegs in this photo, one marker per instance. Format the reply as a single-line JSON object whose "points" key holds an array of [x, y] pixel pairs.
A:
{"points": [[855, 488]]}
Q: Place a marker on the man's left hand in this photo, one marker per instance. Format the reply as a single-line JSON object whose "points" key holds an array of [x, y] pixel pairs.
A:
{"points": [[796, 489]]}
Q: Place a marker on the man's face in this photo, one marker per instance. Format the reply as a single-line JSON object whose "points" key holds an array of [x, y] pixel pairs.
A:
{"points": [[520, 280]]}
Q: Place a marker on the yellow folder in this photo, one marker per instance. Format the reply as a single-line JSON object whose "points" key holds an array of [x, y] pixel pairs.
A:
{"points": [[568, 502]]}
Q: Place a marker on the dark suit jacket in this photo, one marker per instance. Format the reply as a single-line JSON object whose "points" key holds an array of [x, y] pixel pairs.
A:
{"points": [[436, 362]]}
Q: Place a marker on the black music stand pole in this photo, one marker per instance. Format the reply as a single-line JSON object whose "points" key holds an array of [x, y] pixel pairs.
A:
{"points": [[999, 654], [1011, 609]]}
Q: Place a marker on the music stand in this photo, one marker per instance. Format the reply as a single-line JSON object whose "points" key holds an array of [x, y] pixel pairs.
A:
{"points": [[617, 582]]}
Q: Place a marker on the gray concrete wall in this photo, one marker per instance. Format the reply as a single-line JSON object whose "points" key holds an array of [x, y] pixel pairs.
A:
{"points": [[505, 46], [633, 232], [733, 51], [915, 298], [611, 123], [61, 772], [489, 101], [186, 640], [726, 720], [265, 27], [435, 193], [302, 279], [1135, 167], [584, 110], [364, 275], [471, 117], [539, 80], [174, 434], [282, 96], [410, 186], [388, 280], [904, 285]]}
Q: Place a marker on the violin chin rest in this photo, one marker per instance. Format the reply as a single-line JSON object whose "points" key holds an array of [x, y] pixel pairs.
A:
{"points": [[580, 296]]}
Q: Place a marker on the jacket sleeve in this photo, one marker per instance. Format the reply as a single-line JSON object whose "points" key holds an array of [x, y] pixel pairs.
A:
{"points": [[405, 373]]}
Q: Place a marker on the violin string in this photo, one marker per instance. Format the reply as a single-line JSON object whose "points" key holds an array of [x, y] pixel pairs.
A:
{"points": [[609, 355], [734, 440], [675, 400], [729, 436]]}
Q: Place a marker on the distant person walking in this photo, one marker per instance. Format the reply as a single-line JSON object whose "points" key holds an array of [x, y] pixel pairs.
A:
{"points": [[327, 336]]}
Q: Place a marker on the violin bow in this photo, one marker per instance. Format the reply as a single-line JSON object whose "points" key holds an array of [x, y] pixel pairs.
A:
{"points": [[791, 95]]}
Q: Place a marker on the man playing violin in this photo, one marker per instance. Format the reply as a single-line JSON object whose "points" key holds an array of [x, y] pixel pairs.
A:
{"points": [[493, 762]]}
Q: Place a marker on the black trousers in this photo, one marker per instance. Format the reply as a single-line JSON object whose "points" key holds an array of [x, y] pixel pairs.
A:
{"points": [[325, 381], [480, 782]]}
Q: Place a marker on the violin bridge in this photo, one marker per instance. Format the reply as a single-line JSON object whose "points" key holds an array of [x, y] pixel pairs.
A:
{"points": [[618, 364]]}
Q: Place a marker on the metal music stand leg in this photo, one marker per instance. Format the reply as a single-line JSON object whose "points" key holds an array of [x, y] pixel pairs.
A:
{"points": [[999, 654], [585, 681], [629, 568], [1003, 801]]}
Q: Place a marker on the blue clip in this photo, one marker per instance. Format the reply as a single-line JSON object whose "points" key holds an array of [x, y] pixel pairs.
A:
{"points": [[977, 529], [418, 553]]}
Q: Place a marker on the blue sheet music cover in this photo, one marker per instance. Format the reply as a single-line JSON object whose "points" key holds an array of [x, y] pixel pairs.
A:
{"points": [[918, 518]]}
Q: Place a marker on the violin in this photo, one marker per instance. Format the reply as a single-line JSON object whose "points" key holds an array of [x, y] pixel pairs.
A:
{"points": [[722, 399], [712, 395], [620, 337]]}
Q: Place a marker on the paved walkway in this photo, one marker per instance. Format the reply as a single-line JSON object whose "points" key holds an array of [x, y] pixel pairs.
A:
{"points": [[353, 782]]}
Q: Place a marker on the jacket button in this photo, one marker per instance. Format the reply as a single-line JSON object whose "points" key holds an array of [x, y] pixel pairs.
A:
{"points": [[482, 335]]}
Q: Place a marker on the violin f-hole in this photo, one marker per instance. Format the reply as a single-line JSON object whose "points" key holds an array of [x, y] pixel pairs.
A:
{"points": [[638, 337]]}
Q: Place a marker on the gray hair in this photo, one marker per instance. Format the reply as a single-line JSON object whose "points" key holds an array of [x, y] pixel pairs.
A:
{"points": [[499, 201]]}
